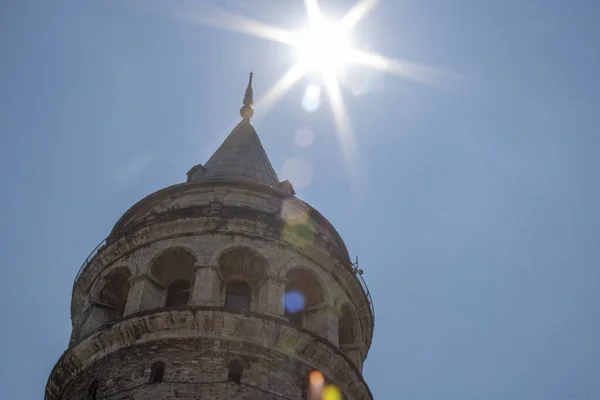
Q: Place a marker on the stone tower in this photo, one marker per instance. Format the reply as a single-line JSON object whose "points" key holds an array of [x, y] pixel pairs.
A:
{"points": [[226, 286]]}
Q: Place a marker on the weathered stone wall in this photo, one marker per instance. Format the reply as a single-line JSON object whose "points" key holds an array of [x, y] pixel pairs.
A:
{"points": [[221, 233], [206, 247], [194, 369], [197, 344], [214, 197]]}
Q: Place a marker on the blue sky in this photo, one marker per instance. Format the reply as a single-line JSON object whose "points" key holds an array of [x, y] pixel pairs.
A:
{"points": [[474, 215]]}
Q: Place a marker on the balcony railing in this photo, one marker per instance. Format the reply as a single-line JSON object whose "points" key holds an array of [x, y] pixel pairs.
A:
{"points": [[87, 261], [359, 273]]}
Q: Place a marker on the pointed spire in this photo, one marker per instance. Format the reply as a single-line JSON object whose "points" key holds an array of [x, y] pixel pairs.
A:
{"points": [[241, 157], [247, 111]]}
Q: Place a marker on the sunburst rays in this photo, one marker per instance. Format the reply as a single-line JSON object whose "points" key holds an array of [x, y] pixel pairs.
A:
{"points": [[221, 19], [281, 87]]}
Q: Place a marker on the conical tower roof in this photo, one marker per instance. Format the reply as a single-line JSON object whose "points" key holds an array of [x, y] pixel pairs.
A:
{"points": [[241, 157]]}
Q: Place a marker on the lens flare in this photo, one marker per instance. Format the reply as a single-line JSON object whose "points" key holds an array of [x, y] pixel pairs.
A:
{"points": [[304, 137], [299, 228], [294, 212], [312, 98], [294, 301], [298, 170], [331, 392], [316, 378], [326, 48]]}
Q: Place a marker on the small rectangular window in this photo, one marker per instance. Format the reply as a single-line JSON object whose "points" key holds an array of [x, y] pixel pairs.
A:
{"points": [[234, 377], [157, 372]]}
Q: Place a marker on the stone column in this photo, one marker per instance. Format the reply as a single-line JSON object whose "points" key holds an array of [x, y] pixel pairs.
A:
{"points": [[145, 293], [322, 320], [270, 295], [207, 285]]}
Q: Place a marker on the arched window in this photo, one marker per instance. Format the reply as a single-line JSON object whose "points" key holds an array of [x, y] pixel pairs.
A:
{"points": [[178, 293], [174, 270], [93, 390], [346, 326], [301, 292], [238, 295], [235, 372], [157, 372], [243, 263], [115, 291], [291, 309]]}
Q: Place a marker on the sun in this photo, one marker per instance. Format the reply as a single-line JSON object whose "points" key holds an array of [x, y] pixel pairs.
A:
{"points": [[323, 48]]}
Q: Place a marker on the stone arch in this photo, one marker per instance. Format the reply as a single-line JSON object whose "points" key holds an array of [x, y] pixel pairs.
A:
{"points": [[99, 284], [107, 299], [303, 291], [220, 250], [305, 279], [316, 272], [174, 270], [115, 290], [158, 249], [241, 266], [243, 263], [171, 264]]}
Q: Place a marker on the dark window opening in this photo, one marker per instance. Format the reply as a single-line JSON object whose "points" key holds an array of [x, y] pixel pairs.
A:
{"points": [[235, 372], [234, 377], [346, 323], [238, 295], [295, 318], [115, 291], [346, 334], [93, 390], [294, 307], [157, 372], [178, 293]]}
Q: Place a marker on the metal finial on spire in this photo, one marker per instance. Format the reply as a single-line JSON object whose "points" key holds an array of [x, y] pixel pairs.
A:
{"points": [[247, 111]]}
